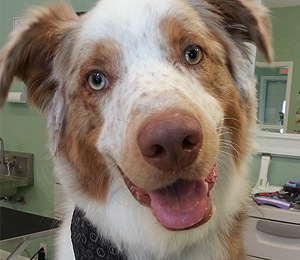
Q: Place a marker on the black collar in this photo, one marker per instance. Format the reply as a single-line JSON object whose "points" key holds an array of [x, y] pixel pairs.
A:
{"points": [[88, 243]]}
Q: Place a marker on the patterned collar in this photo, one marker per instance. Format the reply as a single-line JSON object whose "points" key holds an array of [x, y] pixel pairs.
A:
{"points": [[88, 243]]}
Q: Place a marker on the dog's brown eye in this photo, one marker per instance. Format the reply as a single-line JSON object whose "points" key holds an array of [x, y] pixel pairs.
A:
{"points": [[193, 55], [97, 81]]}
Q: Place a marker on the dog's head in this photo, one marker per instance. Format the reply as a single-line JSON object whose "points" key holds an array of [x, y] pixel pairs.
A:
{"points": [[149, 94]]}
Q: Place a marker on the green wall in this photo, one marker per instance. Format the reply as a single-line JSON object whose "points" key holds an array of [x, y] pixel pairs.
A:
{"points": [[286, 42], [286, 31], [281, 170]]}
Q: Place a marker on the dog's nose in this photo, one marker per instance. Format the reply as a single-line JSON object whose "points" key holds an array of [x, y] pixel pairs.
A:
{"points": [[171, 142]]}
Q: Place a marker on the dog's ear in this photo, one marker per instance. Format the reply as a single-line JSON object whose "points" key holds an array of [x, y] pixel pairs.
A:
{"points": [[31, 50], [247, 21]]}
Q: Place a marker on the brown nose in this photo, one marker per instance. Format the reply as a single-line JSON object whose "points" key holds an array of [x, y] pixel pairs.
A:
{"points": [[171, 142]]}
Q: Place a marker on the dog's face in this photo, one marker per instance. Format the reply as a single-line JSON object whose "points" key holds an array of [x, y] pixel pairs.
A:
{"points": [[148, 94]]}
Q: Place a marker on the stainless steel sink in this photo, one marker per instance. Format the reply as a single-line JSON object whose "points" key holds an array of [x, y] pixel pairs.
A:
{"points": [[8, 186], [16, 171]]}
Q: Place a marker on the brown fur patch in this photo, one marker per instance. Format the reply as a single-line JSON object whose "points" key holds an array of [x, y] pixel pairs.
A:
{"points": [[180, 35], [84, 121], [78, 145], [218, 83]]}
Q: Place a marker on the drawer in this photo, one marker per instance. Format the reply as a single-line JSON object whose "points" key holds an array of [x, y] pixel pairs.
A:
{"points": [[269, 239]]}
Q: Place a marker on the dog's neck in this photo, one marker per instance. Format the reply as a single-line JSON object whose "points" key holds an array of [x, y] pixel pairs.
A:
{"points": [[88, 243]]}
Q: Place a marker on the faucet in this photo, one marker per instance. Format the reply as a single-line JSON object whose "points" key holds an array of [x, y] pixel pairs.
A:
{"points": [[2, 151]]}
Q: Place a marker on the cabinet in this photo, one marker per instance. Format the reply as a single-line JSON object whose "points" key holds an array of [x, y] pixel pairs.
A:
{"points": [[272, 233]]}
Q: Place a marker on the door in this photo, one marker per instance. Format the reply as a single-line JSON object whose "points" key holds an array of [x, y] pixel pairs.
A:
{"points": [[272, 103]]}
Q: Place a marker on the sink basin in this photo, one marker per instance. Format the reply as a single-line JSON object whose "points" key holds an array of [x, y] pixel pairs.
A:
{"points": [[18, 174], [3, 169], [8, 187]]}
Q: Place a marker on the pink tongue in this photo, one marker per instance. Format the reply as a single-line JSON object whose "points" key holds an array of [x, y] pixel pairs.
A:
{"points": [[180, 205]]}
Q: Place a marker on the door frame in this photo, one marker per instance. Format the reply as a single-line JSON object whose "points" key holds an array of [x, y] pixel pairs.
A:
{"points": [[280, 64]]}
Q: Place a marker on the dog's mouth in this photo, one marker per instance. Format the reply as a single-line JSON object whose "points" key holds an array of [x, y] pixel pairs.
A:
{"points": [[185, 204]]}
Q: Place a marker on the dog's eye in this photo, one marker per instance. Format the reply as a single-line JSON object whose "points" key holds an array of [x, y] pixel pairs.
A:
{"points": [[193, 55], [97, 81]]}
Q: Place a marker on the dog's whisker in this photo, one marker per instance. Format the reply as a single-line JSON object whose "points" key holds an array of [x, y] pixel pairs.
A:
{"points": [[191, 98], [230, 155], [230, 143], [121, 120], [225, 133], [223, 163], [232, 128]]}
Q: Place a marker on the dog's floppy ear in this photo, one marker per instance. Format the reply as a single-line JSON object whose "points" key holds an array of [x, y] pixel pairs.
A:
{"points": [[30, 52], [246, 21]]}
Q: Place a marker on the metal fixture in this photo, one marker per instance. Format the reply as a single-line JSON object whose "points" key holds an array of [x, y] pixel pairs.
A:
{"points": [[16, 170], [13, 199], [2, 150]]}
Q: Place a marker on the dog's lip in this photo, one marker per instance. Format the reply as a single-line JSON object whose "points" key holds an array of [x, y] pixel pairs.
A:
{"points": [[202, 187], [140, 195]]}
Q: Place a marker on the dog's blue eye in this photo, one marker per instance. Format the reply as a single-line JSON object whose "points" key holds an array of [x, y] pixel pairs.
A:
{"points": [[193, 55], [97, 81]]}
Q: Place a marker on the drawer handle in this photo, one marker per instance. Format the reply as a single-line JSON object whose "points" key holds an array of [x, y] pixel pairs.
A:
{"points": [[279, 229]]}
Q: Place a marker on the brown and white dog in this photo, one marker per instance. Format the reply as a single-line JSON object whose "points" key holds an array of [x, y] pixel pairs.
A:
{"points": [[151, 115]]}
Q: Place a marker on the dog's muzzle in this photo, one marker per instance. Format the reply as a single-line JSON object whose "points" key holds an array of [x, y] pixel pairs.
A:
{"points": [[171, 143]]}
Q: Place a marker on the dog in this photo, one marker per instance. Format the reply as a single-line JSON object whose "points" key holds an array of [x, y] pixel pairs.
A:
{"points": [[151, 114]]}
